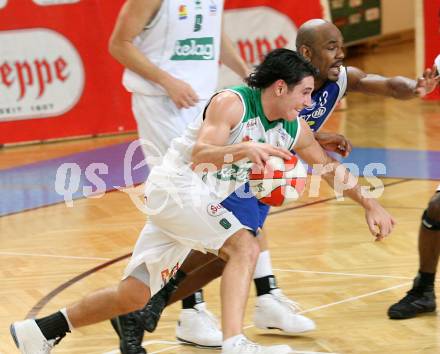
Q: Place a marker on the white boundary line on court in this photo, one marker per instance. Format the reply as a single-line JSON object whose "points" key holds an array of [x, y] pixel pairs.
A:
{"points": [[53, 256], [345, 274], [353, 298]]}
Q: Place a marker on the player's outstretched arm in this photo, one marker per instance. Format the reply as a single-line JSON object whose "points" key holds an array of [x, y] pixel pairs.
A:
{"points": [[223, 114], [131, 21], [399, 87], [379, 221]]}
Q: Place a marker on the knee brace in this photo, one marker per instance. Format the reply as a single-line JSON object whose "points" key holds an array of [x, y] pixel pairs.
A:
{"points": [[430, 224]]}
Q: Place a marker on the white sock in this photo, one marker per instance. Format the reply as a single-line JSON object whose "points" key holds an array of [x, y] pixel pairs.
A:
{"points": [[230, 342], [64, 312], [264, 265]]}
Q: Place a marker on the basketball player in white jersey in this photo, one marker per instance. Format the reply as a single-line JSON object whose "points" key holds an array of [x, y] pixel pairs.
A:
{"points": [[189, 180], [171, 51]]}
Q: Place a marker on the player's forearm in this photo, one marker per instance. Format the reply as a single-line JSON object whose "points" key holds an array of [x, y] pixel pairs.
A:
{"points": [[402, 88], [230, 57], [217, 155], [345, 184], [132, 58]]}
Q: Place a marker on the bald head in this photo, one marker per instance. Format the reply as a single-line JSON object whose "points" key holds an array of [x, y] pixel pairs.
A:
{"points": [[312, 31], [321, 43]]}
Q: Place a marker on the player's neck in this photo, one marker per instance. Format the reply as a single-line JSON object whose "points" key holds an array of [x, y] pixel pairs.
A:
{"points": [[269, 106], [318, 84]]}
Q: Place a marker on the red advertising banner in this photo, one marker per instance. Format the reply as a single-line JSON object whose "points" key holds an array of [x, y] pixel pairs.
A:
{"points": [[56, 76], [431, 16], [57, 79]]}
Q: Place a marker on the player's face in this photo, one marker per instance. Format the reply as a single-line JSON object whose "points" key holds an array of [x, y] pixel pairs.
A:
{"points": [[327, 53], [298, 98]]}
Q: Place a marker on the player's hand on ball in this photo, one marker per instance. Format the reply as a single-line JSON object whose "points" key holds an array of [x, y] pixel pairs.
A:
{"points": [[379, 221], [259, 153], [334, 142]]}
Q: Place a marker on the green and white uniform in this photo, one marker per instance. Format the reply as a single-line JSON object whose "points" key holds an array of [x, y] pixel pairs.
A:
{"points": [[185, 205], [183, 39]]}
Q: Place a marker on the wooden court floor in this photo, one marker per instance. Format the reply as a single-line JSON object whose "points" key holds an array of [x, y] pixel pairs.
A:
{"points": [[322, 253]]}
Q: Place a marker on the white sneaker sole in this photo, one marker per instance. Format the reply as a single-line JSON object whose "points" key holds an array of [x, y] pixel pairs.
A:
{"points": [[285, 332], [186, 342]]}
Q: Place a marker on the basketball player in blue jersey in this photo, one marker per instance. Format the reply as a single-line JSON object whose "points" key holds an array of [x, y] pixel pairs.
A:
{"points": [[321, 43]]}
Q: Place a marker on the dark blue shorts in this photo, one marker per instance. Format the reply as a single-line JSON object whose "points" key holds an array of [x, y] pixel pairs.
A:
{"points": [[249, 211]]}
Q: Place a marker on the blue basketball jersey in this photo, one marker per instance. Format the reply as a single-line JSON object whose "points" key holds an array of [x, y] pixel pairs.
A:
{"points": [[324, 101]]}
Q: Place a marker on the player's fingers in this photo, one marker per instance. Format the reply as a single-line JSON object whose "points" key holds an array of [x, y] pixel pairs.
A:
{"points": [[259, 163], [372, 226], [190, 101], [283, 153], [178, 104], [348, 146], [427, 73]]}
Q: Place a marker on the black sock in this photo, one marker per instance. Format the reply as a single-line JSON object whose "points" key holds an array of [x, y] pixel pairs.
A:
{"points": [[192, 300], [53, 326], [176, 279], [265, 284], [425, 279]]}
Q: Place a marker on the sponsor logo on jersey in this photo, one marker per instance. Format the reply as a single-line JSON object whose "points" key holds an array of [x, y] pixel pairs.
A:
{"points": [[212, 7], [251, 123], [216, 209], [234, 173], [183, 12], [194, 49], [167, 274], [198, 23], [225, 223], [317, 110]]}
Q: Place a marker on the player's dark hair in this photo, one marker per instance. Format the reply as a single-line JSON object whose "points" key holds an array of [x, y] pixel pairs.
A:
{"points": [[281, 64]]}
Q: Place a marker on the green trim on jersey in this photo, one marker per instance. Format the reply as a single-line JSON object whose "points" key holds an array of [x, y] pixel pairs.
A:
{"points": [[252, 99]]}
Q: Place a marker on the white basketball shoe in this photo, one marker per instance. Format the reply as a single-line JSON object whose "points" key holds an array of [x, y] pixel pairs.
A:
{"points": [[245, 346], [276, 311], [199, 327], [29, 338]]}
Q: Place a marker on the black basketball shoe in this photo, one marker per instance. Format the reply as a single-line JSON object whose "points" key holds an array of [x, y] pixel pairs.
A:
{"points": [[130, 332], [417, 300]]}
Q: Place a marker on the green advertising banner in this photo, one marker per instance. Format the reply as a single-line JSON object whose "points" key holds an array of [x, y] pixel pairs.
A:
{"points": [[357, 19]]}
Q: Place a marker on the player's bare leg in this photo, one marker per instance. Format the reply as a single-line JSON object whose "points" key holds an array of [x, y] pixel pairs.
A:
{"points": [[40, 335]]}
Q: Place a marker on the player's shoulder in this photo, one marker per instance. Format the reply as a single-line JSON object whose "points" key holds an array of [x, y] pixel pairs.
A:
{"points": [[226, 105]]}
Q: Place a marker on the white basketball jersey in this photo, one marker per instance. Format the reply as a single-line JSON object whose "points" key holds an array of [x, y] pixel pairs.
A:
{"points": [[253, 126], [183, 39]]}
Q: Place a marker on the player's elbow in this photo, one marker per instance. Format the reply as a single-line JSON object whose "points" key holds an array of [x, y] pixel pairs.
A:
{"points": [[196, 155], [115, 47]]}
